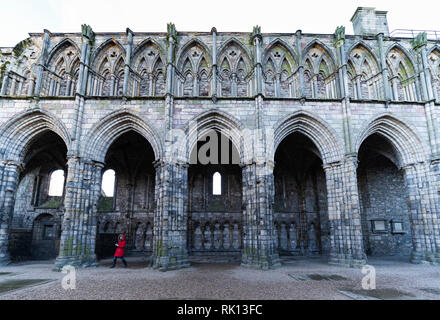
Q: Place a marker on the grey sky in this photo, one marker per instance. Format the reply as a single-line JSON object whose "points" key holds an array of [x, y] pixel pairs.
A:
{"points": [[19, 17]]}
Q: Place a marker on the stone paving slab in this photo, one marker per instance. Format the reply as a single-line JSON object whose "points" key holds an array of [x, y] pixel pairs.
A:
{"points": [[396, 280]]}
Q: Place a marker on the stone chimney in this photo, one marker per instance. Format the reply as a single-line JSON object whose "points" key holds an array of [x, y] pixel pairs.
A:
{"points": [[369, 22]]}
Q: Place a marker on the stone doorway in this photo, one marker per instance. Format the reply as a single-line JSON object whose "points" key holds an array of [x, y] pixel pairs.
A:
{"points": [[386, 226], [215, 201], [127, 202], [300, 207], [36, 221]]}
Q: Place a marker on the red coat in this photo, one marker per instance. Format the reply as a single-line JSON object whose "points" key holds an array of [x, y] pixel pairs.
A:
{"points": [[121, 248]]}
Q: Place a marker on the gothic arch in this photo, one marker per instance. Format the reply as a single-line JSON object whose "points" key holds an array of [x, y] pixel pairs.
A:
{"points": [[59, 46], [373, 59], [402, 137], [108, 129], [184, 50], [149, 41], [139, 53], [316, 129], [287, 48], [222, 51], [219, 121], [102, 48], [17, 133], [403, 49], [318, 43]]}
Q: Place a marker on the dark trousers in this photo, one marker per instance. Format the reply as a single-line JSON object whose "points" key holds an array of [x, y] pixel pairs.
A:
{"points": [[122, 258]]}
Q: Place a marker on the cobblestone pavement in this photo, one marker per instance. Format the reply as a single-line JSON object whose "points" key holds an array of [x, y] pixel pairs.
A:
{"points": [[296, 279]]}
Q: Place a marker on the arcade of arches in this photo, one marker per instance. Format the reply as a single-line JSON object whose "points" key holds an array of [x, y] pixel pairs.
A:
{"points": [[217, 200], [330, 146]]}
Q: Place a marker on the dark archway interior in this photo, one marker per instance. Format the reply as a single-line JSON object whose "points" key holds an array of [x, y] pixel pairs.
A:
{"points": [[215, 220], [300, 207], [385, 219], [36, 221], [131, 209]]}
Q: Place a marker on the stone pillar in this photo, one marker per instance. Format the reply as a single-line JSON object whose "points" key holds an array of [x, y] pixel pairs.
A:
{"points": [[30, 91], [339, 44], [395, 90], [13, 85], [170, 216], [40, 74], [214, 64], [128, 61], [384, 69], [9, 175], [259, 234], [78, 237], [423, 209], [172, 40], [301, 66], [88, 39], [278, 85], [315, 86], [4, 89], [256, 40], [344, 214], [358, 86], [234, 84]]}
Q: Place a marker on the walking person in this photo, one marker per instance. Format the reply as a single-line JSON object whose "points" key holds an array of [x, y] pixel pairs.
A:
{"points": [[120, 250]]}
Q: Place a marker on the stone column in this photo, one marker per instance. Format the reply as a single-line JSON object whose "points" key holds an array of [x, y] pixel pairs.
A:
{"points": [[9, 175], [78, 237], [423, 208], [170, 216], [384, 69], [44, 50], [172, 40], [214, 64], [300, 62], [128, 61], [259, 250], [13, 84], [234, 84], [278, 85], [257, 38], [4, 89], [30, 91], [339, 44], [344, 214]]}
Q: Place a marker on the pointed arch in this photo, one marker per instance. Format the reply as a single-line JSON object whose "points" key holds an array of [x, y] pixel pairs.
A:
{"points": [[402, 137], [368, 55], [107, 130], [220, 121], [138, 50], [325, 49], [102, 48], [230, 42], [399, 47], [182, 54], [66, 42], [316, 129], [288, 54], [18, 132]]}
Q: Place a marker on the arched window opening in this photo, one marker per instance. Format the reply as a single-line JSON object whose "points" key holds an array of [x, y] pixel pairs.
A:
{"points": [[56, 184], [217, 184], [108, 183]]}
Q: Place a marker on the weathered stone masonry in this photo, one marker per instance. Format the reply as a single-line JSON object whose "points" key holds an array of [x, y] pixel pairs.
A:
{"points": [[336, 138]]}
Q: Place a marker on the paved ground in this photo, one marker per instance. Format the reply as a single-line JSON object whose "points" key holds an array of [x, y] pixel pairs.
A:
{"points": [[297, 279]]}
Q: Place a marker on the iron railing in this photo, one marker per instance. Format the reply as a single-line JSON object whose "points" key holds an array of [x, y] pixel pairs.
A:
{"points": [[411, 33]]}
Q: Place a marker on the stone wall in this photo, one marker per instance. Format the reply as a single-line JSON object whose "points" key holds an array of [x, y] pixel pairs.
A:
{"points": [[257, 89]]}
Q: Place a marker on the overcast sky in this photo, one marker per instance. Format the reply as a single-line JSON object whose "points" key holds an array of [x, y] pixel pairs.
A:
{"points": [[19, 17]]}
